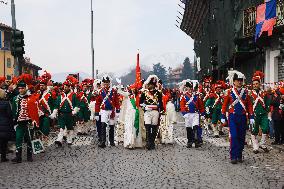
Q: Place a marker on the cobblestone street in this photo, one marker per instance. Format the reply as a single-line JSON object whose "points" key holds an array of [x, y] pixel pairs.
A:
{"points": [[84, 165]]}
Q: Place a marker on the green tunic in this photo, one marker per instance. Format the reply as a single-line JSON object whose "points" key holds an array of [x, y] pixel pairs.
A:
{"points": [[65, 116], [23, 133], [260, 113], [45, 121], [215, 109]]}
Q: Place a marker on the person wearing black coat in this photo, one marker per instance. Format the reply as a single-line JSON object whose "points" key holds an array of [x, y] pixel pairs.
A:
{"points": [[6, 124], [277, 118]]}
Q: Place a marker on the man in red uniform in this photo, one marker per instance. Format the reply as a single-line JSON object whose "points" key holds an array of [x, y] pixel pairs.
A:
{"points": [[191, 108], [107, 102], [238, 103]]}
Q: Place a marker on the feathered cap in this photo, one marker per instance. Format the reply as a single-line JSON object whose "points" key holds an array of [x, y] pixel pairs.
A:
{"points": [[234, 75], [96, 83], [258, 76], [185, 83], [281, 90], [220, 84], [45, 78], [85, 82], [24, 80], [2, 79], [71, 81], [152, 79], [207, 79], [106, 79]]}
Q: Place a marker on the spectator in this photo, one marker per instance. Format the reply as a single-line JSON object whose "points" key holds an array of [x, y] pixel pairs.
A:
{"points": [[6, 124]]}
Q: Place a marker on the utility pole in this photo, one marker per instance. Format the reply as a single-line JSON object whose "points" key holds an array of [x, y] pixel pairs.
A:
{"points": [[92, 40], [14, 27]]}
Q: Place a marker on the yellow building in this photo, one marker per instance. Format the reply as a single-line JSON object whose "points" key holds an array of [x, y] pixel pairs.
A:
{"points": [[6, 59], [7, 66]]}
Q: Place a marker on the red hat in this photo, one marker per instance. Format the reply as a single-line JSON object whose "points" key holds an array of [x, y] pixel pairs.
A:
{"points": [[2, 79], [71, 81], [86, 82], [220, 84], [45, 78], [258, 76], [24, 80], [207, 79], [281, 90]]}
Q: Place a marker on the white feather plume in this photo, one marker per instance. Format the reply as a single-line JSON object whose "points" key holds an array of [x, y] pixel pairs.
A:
{"points": [[231, 74], [149, 79]]}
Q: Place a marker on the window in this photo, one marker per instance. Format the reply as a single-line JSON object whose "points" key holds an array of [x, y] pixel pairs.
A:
{"points": [[7, 40], [9, 77], [9, 63]]}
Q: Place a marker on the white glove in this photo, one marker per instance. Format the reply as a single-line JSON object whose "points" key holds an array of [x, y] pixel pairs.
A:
{"points": [[281, 106], [202, 118], [75, 111], [251, 121], [15, 127], [92, 117], [269, 118], [54, 114], [207, 110], [223, 121], [97, 118]]}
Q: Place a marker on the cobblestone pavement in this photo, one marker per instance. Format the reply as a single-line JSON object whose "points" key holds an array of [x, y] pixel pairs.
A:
{"points": [[84, 165]]}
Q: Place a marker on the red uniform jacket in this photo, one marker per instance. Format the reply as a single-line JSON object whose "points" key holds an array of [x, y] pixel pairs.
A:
{"points": [[237, 102]]}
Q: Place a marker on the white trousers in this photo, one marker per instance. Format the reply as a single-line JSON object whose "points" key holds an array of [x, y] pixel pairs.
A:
{"points": [[106, 117], [191, 119], [151, 117]]}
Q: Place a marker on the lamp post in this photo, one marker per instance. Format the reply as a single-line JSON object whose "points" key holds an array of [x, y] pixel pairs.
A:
{"points": [[92, 40], [14, 27]]}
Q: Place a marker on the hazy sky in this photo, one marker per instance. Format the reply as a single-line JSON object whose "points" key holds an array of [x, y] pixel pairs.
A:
{"points": [[57, 33]]}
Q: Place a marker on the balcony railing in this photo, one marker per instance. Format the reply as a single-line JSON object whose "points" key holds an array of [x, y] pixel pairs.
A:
{"points": [[249, 18]]}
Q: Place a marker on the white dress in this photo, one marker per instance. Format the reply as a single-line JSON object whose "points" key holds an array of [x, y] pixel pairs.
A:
{"points": [[167, 122], [131, 139]]}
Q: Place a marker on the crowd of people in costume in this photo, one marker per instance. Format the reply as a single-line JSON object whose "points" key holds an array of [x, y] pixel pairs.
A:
{"points": [[140, 114]]}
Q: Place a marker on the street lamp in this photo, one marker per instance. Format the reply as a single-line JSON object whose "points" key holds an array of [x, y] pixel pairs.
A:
{"points": [[92, 40]]}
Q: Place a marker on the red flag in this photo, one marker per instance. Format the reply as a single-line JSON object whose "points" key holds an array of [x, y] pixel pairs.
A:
{"points": [[138, 81]]}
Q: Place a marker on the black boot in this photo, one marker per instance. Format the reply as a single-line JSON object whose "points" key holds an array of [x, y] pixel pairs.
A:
{"points": [[99, 125], [189, 134], [103, 136], [153, 136], [29, 154], [148, 133], [18, 158], [111, 135], [3, 145], [196, 142]]}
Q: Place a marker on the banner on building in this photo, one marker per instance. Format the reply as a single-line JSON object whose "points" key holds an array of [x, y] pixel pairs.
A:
{"points": [[265, 18]]}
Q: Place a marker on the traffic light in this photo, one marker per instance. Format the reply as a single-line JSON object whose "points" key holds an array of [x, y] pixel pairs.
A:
{"points": [[17, 43], [281, 46]]}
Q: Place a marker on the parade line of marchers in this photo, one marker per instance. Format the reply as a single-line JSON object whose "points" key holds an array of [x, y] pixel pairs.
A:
{"points": [[135, 115]]}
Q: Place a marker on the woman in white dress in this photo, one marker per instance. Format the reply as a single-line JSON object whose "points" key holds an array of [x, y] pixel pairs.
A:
{"points": [[130, 119]]}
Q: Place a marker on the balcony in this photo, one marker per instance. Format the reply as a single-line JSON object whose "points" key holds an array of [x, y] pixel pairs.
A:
{"points": [[249, 18]]}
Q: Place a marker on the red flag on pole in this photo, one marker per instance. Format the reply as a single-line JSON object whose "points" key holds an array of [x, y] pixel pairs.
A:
{"points": [[138, 81]]}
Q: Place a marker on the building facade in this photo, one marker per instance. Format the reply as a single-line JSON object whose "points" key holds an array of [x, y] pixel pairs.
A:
{"points": [[174, 76], [30, 68], [7, 61], [6, 58], [223, 33]]}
